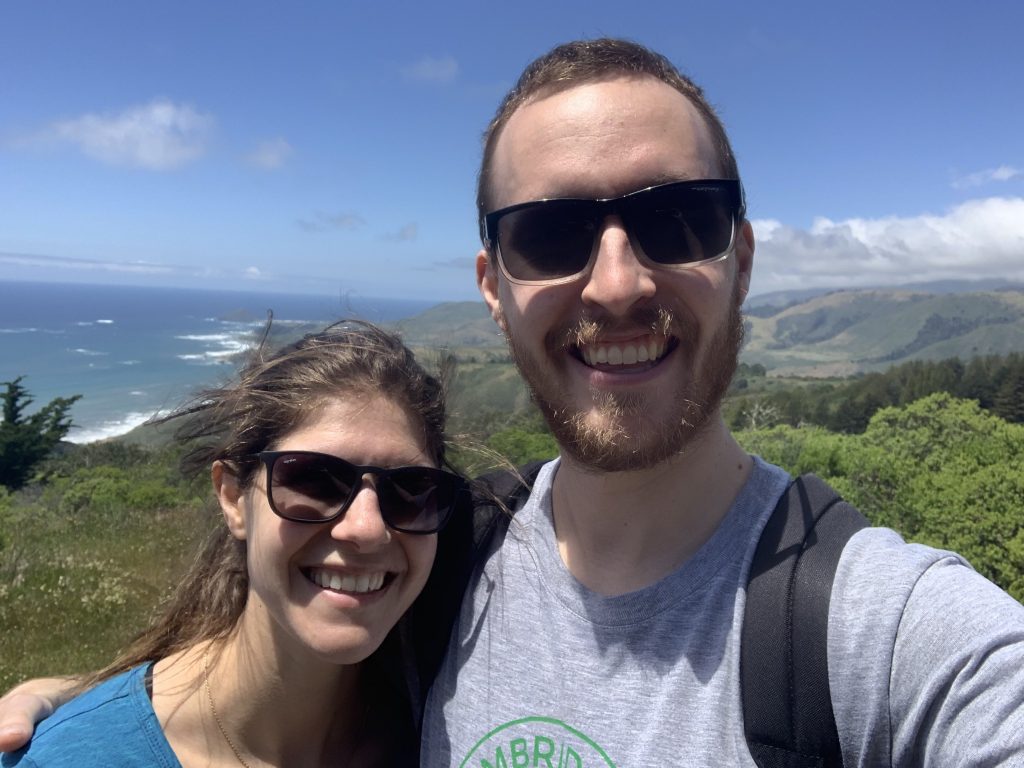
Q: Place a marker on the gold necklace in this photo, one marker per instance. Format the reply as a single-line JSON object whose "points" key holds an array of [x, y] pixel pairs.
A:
{"points": [[213, 709]]}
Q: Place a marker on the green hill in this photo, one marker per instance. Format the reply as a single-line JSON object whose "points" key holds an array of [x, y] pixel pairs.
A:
{"points": [[831, 335], [850, 332], [452, 325], [841, 333]]}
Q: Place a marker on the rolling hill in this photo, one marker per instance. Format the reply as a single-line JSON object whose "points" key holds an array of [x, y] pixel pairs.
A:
{"points": [[849, 332], [840, 333]]}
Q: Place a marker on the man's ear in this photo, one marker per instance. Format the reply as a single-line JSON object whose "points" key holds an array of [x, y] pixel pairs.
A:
{"points": [[231, 498], [744, 257], [487, 282]]}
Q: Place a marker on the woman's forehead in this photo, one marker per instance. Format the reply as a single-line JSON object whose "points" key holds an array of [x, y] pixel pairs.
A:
{"points": [[362, 428]]}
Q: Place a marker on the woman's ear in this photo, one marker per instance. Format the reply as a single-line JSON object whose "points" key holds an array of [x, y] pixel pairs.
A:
{"points": [[232, 500]]}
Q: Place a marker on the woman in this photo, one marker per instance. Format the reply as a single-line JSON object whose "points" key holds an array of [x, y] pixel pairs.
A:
{"points": [[326, 463]]}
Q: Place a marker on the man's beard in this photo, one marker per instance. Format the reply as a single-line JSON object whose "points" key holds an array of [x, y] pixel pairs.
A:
{"points": [[625, 437]]}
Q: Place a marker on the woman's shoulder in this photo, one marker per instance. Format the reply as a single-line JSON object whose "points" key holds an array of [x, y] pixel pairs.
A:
{"points": [[112, 724]]}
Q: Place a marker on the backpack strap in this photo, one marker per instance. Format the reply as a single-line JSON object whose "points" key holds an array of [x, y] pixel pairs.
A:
{"points": [[787, 705], [460, 546]]}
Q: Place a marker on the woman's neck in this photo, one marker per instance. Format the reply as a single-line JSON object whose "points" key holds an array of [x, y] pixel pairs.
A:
{"points": [[231, 704]]}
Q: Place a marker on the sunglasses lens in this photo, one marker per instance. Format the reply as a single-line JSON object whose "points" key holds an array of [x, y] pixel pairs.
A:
{"points": [[675, 224], [678, 225], [546, 242], [311, 487], [417, 499], [314, 487]]}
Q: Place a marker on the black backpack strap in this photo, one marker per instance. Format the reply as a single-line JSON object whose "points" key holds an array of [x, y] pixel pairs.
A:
{"points": [[787, 706], [460, 546], [498, 495]]}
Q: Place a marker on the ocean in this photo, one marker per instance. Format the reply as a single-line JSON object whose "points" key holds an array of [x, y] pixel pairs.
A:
{"points": [[135, 352]]}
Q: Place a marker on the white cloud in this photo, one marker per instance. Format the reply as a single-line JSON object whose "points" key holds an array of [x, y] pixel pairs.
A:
{"points": [[157, 136], [978, 239], [406, 233], [1002, 173], [34, 265], [321, 222], [88, 265], [270, 154], [443, 69]]}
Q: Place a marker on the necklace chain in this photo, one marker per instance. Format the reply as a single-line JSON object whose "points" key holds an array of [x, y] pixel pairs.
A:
{"points": [[213, 709]]}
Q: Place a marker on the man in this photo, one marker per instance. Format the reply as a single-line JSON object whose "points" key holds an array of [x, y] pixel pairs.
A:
{"points": [[604, 628]]}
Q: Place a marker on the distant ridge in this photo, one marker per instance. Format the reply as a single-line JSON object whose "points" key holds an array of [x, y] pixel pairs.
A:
{"points": [[452, 324], [843, 333], [818, 333], [767, 304]]}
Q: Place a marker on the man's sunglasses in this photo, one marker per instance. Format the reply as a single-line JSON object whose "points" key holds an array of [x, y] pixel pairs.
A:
{"points": [[310, 487], [679, 225]]}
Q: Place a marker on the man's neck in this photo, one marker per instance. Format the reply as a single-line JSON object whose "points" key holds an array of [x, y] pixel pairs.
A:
{"points": [[621, 531]]}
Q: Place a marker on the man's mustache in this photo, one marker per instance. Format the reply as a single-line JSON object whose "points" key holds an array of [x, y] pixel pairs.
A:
{"points": [[589, 329]]}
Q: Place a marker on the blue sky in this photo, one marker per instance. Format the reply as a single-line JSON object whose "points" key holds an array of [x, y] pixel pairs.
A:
{"points": [[332, 146]]}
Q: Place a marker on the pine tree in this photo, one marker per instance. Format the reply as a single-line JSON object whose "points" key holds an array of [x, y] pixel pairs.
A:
{"points": [[1009, 399], [27, 440]]}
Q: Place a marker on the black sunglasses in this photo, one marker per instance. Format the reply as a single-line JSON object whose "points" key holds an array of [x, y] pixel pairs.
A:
{"points": [[678, 225], [311, 487]]}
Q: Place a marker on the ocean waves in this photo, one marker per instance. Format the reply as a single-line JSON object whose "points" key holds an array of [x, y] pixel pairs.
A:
{"points": [[135, 352], [108, 428], [218, 348]]}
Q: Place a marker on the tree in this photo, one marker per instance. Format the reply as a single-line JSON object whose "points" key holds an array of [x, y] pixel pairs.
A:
{"points": [[1009, 399], [519, 445], [941, 471], [26, 440], [761, 414], [945, 472]]}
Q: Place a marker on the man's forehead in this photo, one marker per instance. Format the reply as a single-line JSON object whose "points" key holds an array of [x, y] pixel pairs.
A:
{"points": [[600, 139]]}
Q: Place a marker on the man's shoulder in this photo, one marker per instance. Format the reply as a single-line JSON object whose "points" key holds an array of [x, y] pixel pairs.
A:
{"points": [[879, 558], [924, 653]]}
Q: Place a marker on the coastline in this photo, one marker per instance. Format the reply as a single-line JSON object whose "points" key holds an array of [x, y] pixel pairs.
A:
{"points": [[134, 353]]}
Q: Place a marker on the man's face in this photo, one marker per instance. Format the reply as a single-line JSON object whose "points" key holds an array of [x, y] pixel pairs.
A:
{"points": [[578, 344]]}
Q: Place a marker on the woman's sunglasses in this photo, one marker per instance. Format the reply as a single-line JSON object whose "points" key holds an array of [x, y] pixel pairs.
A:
{"points": [[310, 487], [679, 225]]}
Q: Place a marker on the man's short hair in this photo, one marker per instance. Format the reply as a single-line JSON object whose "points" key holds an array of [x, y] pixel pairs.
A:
{"points": [[588, 61]]}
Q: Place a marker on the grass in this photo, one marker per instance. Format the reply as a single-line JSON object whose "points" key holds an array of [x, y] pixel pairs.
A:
{"points": [[75, 589]]}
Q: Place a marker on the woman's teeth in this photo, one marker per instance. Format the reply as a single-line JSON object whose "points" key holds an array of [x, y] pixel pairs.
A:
{"points": [[367, 582]]}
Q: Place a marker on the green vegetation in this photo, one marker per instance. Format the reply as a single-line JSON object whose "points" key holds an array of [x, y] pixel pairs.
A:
{"points": [[933, 449], [87, 555], [859, 331], [995, 382], [26, 440], [942, 471]]}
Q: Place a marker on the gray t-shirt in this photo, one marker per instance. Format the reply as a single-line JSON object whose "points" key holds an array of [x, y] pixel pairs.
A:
{"points": [[926, 658]]}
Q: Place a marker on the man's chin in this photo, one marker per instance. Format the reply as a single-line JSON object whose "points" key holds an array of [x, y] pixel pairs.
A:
{"points": [[606, 432], [610, 438]]}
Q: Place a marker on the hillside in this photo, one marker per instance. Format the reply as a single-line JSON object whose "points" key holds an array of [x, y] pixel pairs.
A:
{"points": [[841, 333], [836, 334], [452, 325], [849, 332]]}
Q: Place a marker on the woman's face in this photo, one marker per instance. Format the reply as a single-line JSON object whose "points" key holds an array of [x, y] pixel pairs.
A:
{"points": [[373, 573]]}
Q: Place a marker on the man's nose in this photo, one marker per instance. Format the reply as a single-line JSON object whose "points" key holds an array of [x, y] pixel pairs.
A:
{"points": [[363, 525], [618, 279]]}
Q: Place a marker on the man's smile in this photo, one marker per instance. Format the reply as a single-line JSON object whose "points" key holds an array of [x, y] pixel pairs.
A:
{"points": [[644, 349]]}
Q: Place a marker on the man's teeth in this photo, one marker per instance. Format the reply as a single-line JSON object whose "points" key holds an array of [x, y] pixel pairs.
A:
{"points": [[628, 353], [367, 582]]}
